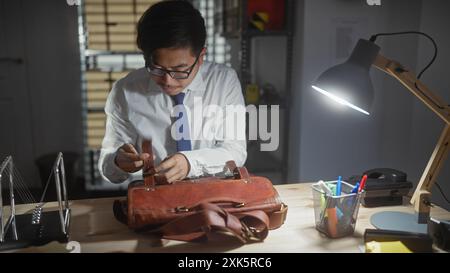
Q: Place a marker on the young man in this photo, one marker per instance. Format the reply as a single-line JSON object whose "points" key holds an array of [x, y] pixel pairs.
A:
{"points": [[157, 103]]}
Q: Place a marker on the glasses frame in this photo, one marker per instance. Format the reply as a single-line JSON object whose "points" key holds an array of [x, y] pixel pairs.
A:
{"points": [[150, 68]]}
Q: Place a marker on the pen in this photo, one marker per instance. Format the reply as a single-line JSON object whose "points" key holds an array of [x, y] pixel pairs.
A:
{"points": [[363, 183], [339, 186], [355, 188]]}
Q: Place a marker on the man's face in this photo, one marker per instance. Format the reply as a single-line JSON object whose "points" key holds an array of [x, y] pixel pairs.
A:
{"points": [[175, 59]]}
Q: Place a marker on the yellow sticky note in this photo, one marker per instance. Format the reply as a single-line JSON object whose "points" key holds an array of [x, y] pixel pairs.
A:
{"points": [[386, 247]]}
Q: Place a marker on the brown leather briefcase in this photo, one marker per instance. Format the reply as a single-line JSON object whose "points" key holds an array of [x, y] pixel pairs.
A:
{"points": [[241, 206]]}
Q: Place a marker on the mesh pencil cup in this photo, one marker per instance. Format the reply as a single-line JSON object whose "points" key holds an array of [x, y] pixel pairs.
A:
{"points": [[335, 216]]}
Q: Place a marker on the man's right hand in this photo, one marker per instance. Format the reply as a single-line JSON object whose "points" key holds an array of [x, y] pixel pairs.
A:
{"points": [[128, 159]]}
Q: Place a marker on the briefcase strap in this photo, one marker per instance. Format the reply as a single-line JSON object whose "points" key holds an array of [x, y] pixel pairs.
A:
{"points": [[209, 222], [277, 218], [239, 173], [212, 223]]}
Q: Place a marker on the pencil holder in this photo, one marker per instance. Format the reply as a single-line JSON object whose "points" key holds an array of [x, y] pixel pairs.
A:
{"points": [[335, 216]]}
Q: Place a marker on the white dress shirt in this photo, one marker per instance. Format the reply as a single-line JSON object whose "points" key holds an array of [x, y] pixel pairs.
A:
{"points": [[138, 109]]}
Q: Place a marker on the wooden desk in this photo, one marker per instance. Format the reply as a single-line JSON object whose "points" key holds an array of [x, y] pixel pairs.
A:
{"points": [[93, 225]]}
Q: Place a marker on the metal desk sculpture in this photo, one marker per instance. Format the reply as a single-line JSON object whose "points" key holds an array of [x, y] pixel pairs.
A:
{"points": [[38, 227]]}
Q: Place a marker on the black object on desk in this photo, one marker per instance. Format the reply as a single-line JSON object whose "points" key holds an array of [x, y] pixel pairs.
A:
{"points": [[384, 187], [440, 232], [48, 230], [416, 242]]}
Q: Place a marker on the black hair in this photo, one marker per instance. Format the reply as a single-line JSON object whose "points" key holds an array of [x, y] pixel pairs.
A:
{"points": [[171, 24]]}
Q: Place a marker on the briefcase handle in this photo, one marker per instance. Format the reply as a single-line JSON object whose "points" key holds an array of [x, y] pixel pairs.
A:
{"points": [[239, 173], [148, 170]]}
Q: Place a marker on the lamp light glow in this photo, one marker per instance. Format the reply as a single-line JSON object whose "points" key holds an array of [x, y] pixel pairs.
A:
{"points": [[339, 100]]}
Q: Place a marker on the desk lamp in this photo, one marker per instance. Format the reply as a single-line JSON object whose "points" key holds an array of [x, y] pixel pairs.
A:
{"points": [[349, 84]]}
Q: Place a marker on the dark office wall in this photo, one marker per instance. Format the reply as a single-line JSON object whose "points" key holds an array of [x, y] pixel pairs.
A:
{"points": [[401, 132], [54, 74], [333, 140], [396, 101], [45, 35]]}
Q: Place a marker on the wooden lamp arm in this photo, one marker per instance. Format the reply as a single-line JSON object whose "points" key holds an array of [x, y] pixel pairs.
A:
{"points": [[422, 194], [409, 80]]}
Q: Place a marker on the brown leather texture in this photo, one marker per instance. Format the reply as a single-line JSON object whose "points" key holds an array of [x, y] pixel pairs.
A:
{"points": [[149, 206], [242, 205]]}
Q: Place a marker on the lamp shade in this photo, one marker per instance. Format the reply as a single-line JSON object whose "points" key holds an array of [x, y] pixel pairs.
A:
{"points": [[349, 83]]}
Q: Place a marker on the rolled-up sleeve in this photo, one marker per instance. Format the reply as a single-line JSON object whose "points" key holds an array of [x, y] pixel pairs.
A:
{"points": [[226, 146], [119, 131]]}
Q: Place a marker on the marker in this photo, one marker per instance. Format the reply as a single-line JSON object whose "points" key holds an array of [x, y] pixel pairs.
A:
{"points": [[323, 204], [363, 183], [325, 188], [339, 213], [355, 188], [332, 222], [332, 188], [339, 186]]}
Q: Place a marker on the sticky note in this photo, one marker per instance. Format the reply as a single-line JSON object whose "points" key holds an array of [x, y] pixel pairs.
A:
{"points": [[386, 247]]}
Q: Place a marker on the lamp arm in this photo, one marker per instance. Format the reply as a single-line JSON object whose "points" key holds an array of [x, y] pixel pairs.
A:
{"points": [[409, 80], [422, 194]]}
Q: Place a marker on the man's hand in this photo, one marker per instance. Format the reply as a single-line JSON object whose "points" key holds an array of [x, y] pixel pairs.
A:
{"points": [[175, 167], [128, 159]]}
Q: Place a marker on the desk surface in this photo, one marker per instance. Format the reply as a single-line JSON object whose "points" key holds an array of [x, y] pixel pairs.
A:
{"points": [[93, 225]]}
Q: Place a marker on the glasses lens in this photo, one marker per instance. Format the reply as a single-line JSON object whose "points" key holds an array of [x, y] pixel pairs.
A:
{"points": [[179, 75], [156, 71]]}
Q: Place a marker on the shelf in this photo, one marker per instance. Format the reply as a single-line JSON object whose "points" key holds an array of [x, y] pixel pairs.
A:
{"points": [[258, 161], [93, 52], [257, 33], [96, 110]]}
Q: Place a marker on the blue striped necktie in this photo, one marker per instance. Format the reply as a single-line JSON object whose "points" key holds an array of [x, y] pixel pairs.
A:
{"points": [[183, 144]]}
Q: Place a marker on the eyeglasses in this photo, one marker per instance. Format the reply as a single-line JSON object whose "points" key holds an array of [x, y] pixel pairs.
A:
{"points": [[177, 75]]}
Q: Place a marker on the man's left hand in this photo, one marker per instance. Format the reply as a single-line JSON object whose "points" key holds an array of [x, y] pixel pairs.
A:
{"points": [[173, 168]]}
